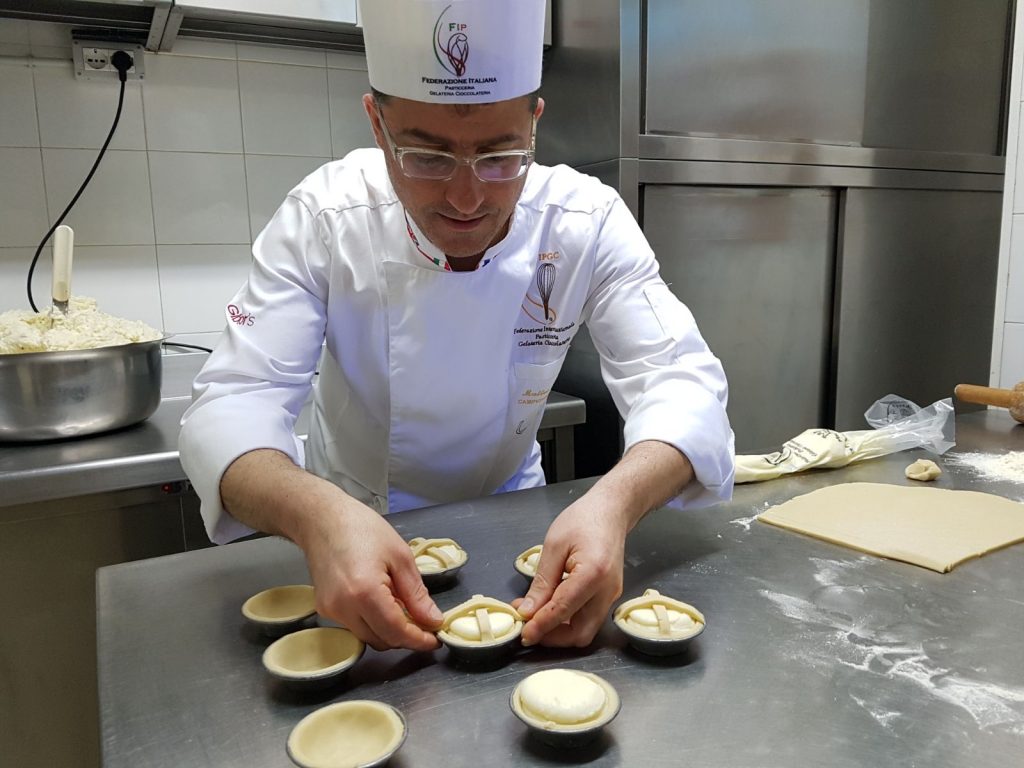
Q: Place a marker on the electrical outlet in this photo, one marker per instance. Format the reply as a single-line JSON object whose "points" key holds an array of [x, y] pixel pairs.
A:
{"points": [[92, 59]]}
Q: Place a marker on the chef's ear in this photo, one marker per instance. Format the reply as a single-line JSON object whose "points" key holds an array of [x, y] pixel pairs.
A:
{"points": [[539, 109], [373, 115]]}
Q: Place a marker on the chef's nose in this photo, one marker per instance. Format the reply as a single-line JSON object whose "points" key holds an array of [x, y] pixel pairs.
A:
{"points": [[464, 191]]}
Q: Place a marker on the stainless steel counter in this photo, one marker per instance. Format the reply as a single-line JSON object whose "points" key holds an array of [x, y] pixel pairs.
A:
{"points": [[814, 655], [147, 453]]}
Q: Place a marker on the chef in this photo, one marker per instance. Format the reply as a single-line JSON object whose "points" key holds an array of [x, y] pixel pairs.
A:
{"points": [[435, 283]]}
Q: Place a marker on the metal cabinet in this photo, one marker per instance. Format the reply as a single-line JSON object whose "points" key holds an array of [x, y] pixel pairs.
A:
{"points": [[918, 277], [755, 266], [914, 75]]}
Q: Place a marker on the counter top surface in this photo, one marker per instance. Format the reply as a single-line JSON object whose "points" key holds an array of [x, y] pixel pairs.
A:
{"points": [[814, 655], [146, 453]]}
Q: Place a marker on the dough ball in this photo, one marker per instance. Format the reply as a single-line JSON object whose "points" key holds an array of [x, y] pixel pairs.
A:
{"points": [[561, 696], [924, 470]]}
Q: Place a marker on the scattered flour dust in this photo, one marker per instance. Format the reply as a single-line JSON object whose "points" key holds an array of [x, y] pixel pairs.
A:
{"points": [[1006, 467], [746, 522], [888, 657]]}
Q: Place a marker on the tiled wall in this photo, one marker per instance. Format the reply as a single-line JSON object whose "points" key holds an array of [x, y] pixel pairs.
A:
{"points": [[207, 147], [1008, 340]]}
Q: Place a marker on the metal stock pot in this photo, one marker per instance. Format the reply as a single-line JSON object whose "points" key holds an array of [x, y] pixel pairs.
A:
{"points": [[53, 395]]}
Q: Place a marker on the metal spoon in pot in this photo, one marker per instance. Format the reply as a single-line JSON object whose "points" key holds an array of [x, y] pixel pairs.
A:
{"points": [[63, 245]]}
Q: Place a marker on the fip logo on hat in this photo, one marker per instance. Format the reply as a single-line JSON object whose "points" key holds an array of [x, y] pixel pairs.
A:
{"points": [[454, 51]]}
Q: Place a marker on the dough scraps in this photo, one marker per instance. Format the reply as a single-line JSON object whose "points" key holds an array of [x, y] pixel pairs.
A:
{"points": [[923, 470], [935, 528]]}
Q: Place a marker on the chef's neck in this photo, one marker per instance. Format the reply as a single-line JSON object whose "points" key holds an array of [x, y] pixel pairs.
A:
{"points": [[470, 263]]}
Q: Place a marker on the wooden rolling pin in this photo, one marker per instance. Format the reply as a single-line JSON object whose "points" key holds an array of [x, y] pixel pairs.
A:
{"points": [[1003, 398]]}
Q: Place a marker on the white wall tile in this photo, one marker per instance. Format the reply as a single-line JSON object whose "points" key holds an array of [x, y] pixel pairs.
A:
{"points": [[51, 52], [22, 201], [197, 282], [284, 109], [281, 54], [122, 279], [1012, 368], [79, 113], [350, 127], [1015, 284], [1018, 191], [115, 208], [192, 105], [14, 264], [270, 178], [346, 60], [18, 124], [16, 50], [199, 198], [14, 31], [210, 49], [49, 34]]}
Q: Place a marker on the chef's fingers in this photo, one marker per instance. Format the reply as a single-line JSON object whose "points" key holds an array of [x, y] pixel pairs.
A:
{"points": [[575, 591], [384, 617], [547, 579], [579, 632], [413, 594]]}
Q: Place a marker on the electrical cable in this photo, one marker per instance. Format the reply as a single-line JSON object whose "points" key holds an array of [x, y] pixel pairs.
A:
{"points": [[186, 346], [122, 62]]}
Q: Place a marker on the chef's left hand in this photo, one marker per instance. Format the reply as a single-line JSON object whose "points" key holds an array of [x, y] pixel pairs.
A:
{"points": [[586, 541]]}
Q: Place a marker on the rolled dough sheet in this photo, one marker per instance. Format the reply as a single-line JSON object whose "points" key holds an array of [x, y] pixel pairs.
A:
{"points": [[931, 527]]}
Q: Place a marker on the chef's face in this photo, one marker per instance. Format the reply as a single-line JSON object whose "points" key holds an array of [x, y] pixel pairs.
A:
{"points": [[462, 215]]}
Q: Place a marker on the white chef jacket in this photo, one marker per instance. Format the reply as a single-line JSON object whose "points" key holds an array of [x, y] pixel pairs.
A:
{"points": [[432, 383]]}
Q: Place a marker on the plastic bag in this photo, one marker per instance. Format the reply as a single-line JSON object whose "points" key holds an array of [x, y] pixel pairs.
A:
{"points": [[898, 425]]}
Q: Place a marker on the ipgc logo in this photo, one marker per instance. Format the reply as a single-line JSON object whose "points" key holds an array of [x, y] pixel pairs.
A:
{"points": [[451, 45]]}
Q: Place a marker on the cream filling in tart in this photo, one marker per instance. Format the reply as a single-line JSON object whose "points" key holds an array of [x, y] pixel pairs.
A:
{"points": [[561, 696]]}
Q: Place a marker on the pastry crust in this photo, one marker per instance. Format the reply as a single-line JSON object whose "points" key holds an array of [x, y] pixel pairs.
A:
{"points": [[437, 555], [480, 622], [659, 617]]}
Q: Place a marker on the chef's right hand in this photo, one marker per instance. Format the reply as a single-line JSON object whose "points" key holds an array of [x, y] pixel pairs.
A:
{"points": [[366, 579]]}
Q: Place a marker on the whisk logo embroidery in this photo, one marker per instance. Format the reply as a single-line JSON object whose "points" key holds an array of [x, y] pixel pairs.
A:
{"points": [[451, 44], [539, 309]]}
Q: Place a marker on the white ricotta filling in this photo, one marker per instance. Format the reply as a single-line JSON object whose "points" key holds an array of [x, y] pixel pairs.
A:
{"points": [[561, 696]]}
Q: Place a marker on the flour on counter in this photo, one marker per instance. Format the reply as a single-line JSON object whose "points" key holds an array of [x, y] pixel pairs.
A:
{"points": [[883, 716], [746, 522], [839, 640], [1005, 467]]}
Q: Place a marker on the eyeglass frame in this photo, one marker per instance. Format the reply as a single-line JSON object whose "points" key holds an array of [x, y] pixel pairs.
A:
{"points": [[397, 153]]}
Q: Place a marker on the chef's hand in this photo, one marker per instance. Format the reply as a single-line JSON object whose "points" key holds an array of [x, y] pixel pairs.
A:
{"points": [[366, 579], [363, 572], [586, 541]]}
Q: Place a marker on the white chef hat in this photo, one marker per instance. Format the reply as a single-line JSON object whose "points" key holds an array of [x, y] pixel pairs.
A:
{"points": [[453, 51]]}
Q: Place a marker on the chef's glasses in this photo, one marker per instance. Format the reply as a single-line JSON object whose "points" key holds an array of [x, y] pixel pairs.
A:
{"points": [[437, 165]]}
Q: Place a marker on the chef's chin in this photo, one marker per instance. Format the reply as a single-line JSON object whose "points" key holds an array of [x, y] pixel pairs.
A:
{"points": [[460, 240]]}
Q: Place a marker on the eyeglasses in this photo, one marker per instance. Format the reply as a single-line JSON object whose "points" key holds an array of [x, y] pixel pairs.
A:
{"points": [[437, 165]]}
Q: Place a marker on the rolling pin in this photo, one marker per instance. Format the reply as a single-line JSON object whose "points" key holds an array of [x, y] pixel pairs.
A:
{"points": [[1004, 398]]}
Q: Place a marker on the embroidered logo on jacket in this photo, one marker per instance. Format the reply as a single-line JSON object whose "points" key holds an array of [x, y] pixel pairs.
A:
{"points": [[240, 318]]}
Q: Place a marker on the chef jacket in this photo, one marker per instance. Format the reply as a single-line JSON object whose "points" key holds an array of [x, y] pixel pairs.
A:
{"points": [[431, 383]]}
